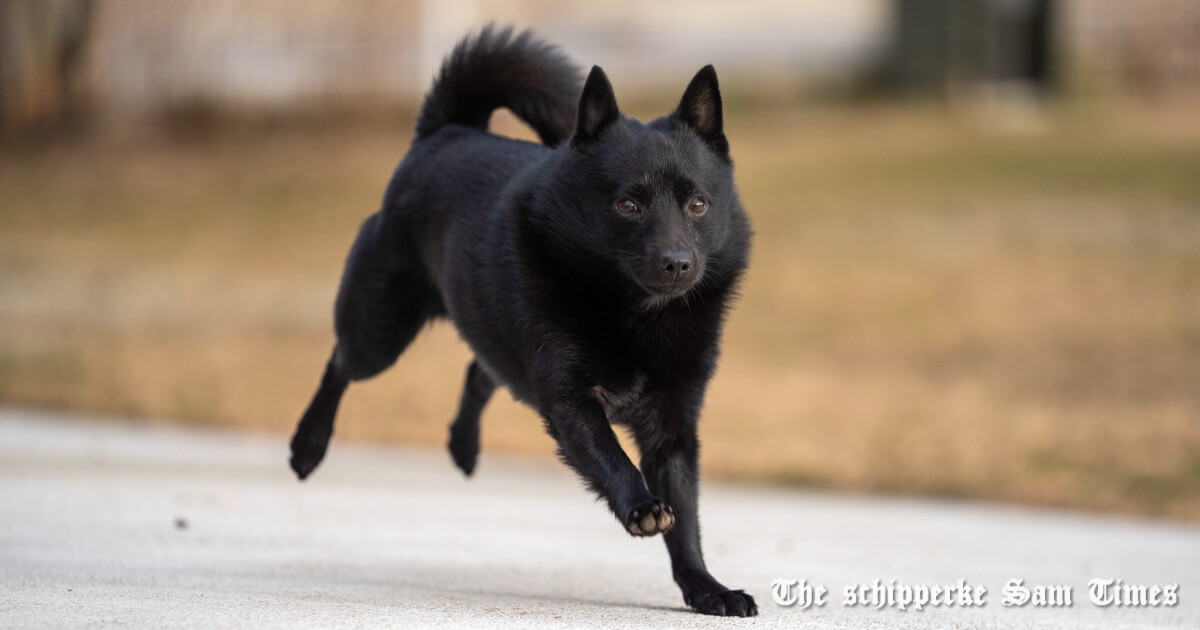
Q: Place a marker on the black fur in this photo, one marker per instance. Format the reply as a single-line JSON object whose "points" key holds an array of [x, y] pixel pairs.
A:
{"points": [[496, 70], [590, 277]]}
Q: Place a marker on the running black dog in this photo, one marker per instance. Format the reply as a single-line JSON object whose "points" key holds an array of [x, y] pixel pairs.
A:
{"points": [[590, 276]]}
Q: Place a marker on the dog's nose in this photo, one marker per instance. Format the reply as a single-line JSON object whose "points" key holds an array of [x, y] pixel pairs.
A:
{"points": [[675, 263]]}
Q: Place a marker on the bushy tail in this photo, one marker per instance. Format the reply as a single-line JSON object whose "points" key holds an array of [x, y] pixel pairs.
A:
{"points": [[497, 69]]}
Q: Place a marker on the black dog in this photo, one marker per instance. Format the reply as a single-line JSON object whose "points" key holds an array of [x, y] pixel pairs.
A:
{"points": [[590, 276]]}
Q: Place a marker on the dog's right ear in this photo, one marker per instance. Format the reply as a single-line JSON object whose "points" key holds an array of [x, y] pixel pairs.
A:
{"points": [[597, 108]]}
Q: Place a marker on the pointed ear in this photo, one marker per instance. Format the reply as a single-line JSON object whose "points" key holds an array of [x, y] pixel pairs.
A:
{"points": [[700, 109], [597, 108]]}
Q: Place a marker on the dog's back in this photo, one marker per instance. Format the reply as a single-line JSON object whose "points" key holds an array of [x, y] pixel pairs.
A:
{"points": [[455, 171], [391, 285]]}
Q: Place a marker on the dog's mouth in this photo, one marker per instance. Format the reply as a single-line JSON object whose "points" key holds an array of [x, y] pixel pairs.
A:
{"points": [[669, 290]]}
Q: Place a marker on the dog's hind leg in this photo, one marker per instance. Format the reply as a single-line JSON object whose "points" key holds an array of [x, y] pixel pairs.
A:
{"points": [[464, 433], [384, 300], [316, 425]]}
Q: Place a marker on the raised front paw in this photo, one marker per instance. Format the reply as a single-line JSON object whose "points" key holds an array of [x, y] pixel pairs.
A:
{"points": [[652, 518], [723, 602]]}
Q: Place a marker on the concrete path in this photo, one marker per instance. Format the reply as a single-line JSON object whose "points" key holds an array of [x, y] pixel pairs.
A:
{"points": [[105, 524]]}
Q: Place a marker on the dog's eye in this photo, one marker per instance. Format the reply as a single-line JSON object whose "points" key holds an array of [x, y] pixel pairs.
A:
{"points": [[625, 206], [697, 206]]}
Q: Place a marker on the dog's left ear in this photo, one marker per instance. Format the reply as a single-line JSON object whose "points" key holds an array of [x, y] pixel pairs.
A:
{"points": [[700, 109]]}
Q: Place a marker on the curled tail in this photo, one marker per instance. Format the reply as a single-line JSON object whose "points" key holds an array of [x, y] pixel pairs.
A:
{"points": [[497, 69]]}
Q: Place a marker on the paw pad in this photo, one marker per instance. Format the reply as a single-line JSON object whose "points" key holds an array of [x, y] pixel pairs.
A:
{"points": [[654, 518]]}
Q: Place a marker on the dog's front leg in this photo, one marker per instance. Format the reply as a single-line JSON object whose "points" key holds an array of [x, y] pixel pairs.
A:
{"points": [[670, 464], [587, 442]]}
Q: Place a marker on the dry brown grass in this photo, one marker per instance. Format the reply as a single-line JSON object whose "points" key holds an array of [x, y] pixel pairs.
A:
{"points": [[932, 308]]}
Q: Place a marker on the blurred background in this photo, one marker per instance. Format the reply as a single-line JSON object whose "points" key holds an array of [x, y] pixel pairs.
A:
{"points": [[977, 270]]}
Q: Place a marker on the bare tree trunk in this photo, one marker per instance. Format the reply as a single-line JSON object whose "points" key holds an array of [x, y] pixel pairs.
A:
{"points": [[41, 53]]}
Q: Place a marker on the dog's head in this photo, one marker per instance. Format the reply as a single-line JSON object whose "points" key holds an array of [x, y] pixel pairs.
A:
{"points": [[653, 203]]}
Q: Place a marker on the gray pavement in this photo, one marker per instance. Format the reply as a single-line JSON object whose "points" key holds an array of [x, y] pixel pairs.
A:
{"points": [[105, 524]]}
